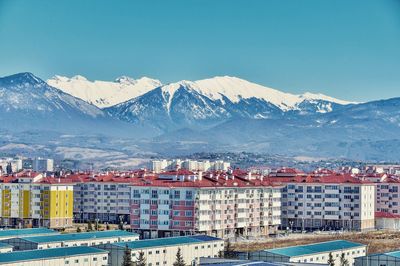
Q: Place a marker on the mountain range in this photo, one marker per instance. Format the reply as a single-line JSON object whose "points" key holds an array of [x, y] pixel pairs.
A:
{"points": [[216, 114]]}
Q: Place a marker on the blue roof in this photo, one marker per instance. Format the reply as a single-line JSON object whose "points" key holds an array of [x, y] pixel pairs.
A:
{"points": [[79, 236], [25, 232], [314, 248], [47, 253], [393, 254], [5, 245], [167, 241]]}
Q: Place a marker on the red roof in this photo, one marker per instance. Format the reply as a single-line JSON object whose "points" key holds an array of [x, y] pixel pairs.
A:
{"points": [[386, 215], [333, 179]]}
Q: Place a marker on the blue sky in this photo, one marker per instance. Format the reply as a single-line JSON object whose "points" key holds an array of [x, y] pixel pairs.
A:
{"points": [[346, 49]]}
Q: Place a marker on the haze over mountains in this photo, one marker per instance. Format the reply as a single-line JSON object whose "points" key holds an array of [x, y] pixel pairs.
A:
{"points": [[216, 114]]}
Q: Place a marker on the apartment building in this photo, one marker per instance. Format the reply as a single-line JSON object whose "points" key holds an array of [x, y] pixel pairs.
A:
{"points": [[28, 199], [221, 205], [163, 251], [338, 201], [103, 197], [159, 166], [387, 196]]}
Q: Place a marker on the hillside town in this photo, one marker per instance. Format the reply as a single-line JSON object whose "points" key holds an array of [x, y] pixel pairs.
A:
{"points": [[204, 212]]}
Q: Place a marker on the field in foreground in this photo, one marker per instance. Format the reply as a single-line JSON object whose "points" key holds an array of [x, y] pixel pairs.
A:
{"points": [[377, 241]]}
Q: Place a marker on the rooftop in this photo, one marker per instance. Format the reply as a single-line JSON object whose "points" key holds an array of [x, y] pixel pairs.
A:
{"points": [[168, 241], [41, 254], [395, 254], [4, 245], [78, 236], [302, 250], [26, 232]]}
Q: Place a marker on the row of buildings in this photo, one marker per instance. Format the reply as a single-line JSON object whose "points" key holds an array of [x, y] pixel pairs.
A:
{"points": [[42, 246], [218, 203], [11, 165], [158, 166]]}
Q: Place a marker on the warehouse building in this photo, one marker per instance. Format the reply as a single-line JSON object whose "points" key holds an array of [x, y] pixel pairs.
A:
{"points": [[163, 251], [71, 240], [14, 233], [383, 259], [313, 253], [4, 248], [73, 256]]}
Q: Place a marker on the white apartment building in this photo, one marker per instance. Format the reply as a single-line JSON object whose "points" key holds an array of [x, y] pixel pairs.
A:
{"points": [[221, 206], [103, 198], [163, 251], [327, 202], [387, 196], [159, 166], [43, 165], [74, 256], [317, 253], [15, 163]]}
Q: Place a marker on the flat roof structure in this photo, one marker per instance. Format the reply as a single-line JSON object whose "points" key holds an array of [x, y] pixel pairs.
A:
{"points": [[79, 236], [168, 241], [44, 254], [12, 233], [314, 248]]}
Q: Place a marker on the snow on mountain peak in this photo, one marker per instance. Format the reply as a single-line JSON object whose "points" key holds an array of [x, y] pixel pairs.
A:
{"points": [[104, 93], [320, 96], [79, 77], [126, 80]]}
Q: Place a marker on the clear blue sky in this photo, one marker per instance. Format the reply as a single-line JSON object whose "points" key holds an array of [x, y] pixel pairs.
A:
{"points": [[347, 49]]}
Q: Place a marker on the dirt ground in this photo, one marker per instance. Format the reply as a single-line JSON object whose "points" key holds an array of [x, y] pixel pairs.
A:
{"points": [[377, 241]]}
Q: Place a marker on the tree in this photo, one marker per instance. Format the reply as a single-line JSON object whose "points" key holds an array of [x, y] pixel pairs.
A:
{"points": [[331, 261], [9, 168], [121, 226], [107, 227], [89, 226], [229, 252], [141, 260], [343, 260], [127, 259], [78, 230], [179, 259]]}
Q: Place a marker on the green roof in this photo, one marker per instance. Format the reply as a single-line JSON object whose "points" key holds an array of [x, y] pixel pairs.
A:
{"points": [[25, 232], [79, 236], [167, 241], [41, 254], [314, 248]]}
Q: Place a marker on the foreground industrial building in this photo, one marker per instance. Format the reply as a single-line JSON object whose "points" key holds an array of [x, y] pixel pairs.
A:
{"points": [[382, 259], [71, 240], [313, 253], [13, 233], [163, 251], [75, 256]]}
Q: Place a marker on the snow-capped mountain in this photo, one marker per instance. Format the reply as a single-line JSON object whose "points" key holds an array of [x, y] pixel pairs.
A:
{"points": [[222, 113], [29, 103], [211, 101], [104, 93]]}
